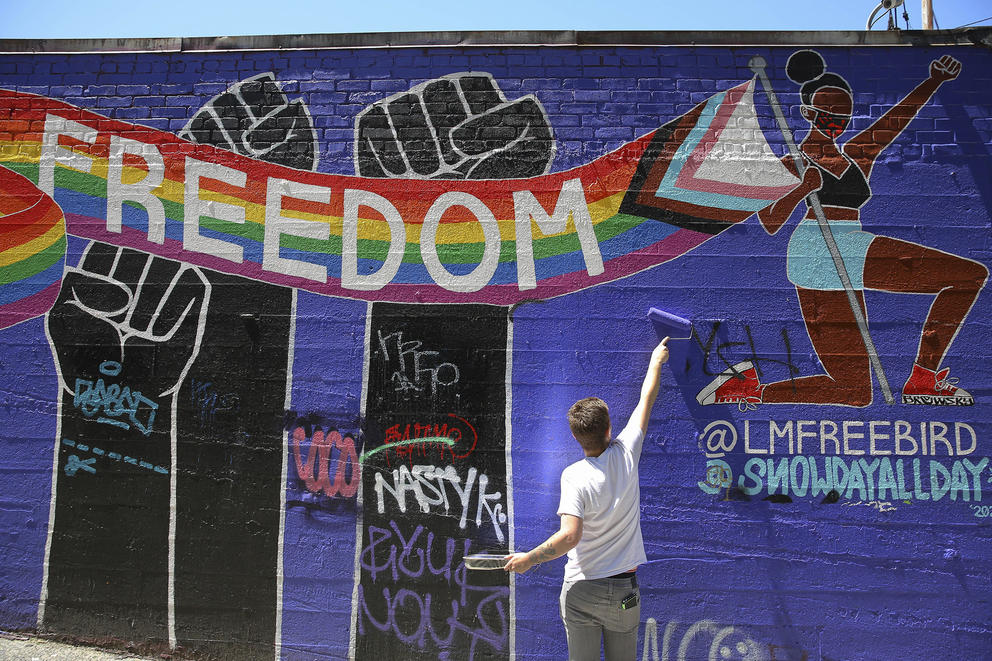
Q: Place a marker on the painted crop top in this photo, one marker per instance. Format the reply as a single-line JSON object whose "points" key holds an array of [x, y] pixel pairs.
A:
{"points": [[849, 191]]}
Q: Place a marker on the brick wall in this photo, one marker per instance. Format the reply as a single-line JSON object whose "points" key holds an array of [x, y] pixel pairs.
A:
{"points": [[286, 334]]}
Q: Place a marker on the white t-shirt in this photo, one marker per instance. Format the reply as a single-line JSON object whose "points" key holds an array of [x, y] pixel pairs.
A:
{"points": [[604, 492]]}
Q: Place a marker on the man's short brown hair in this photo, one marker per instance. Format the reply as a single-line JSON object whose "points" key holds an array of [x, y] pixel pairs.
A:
{"points": [[589, 420]]}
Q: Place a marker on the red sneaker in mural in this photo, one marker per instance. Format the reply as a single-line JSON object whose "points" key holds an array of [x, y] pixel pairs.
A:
{"points": [[735, 385], [935, 388]]}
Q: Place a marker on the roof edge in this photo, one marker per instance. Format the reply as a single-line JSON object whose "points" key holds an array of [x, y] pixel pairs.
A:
{"points": [[980, 35]]}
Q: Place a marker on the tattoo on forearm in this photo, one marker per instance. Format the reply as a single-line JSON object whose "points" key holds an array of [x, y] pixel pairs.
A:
{"points": [[544, 553]]}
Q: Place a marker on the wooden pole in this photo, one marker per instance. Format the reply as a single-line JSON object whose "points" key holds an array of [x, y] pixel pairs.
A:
{"points": [[926, 11]]}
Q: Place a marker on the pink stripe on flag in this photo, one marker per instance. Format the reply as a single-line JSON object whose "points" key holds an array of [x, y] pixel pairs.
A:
{"points": [[767, 193], [687, 180], [730, 100]]}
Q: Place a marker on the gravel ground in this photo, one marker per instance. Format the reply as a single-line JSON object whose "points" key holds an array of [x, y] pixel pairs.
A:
{"points": [[18, 647]]}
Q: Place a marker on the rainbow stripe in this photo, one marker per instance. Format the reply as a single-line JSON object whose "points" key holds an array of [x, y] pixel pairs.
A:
{"points": [[628, 244], [32, 249]]}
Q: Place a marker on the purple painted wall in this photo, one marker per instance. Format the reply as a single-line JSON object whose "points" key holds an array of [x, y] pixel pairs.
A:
{"points": [[827, 528]]}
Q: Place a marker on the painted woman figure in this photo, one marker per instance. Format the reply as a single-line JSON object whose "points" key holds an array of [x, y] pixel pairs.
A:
{"points": [[840, 177]]}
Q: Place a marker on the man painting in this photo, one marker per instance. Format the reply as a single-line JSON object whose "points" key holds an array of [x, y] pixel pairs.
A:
{"points": [[601, 528]]}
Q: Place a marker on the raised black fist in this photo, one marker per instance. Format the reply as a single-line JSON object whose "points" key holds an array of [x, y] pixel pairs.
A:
{"points": [[125, 314], [460, 126], [254, 118]]}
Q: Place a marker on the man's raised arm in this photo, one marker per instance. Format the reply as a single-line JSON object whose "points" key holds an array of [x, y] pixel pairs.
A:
{"points": [[649, 389]]}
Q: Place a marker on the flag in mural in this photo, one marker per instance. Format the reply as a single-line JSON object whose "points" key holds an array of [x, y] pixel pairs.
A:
{"points": [[400, 240], [710, 168]]}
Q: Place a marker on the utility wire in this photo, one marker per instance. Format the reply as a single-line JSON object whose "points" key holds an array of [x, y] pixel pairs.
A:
{"points": [[987, 18]]}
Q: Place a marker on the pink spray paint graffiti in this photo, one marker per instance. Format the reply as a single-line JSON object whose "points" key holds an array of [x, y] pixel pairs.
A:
{"points": [[326, 449]]}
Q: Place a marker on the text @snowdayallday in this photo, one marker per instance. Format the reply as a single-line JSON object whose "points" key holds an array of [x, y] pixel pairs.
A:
{"points": [[867, 460]]}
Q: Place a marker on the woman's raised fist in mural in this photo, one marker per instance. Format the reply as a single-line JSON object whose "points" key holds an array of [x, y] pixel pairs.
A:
{"points": [[945, 68], [460, 126]]}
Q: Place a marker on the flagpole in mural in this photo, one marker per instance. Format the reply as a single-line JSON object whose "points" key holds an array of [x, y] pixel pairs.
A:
{"points": [[757, 64]]}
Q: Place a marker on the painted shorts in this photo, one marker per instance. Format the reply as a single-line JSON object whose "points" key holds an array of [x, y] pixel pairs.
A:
{"points": [[810, 264]]}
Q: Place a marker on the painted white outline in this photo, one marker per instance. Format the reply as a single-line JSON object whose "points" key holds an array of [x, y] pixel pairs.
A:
{"points": [[930, 309], [124, 328], [880, 376], [508, 451], [919, 342], [174, 441], [546, 296], [43, 597], [443, 168], [173, 522], [280, 565], [125, 331], [359, 518], [137, 296], [757, 64]]}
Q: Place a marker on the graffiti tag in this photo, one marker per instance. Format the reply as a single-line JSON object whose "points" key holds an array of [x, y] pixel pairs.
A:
{"points": [[414, 370], [208, 401], [113, 401], [719, 353], [458, 439], [315, 469], [429, 486], [475, 615]]}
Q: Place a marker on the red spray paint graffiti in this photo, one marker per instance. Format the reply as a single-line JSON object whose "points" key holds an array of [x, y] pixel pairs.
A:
{"points": [[458, 430]]}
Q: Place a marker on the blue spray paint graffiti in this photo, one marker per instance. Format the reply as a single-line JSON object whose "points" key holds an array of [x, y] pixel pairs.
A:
{"points": [[114, 401]]}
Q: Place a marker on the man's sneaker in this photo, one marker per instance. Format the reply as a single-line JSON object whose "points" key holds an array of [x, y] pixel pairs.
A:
{"points": [[735, 385], [935, 388]]}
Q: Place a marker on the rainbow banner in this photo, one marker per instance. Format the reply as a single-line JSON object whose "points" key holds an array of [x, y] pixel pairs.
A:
{"points": [[399, 240], [32, 249]]}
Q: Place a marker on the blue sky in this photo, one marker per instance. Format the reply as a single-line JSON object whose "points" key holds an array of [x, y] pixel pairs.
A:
{"points": [[78, 19]]}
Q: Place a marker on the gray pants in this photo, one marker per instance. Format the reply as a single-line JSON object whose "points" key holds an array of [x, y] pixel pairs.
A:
{"points": [[592, 616]]}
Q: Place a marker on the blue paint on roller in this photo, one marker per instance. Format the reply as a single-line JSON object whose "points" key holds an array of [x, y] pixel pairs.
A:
{"points": [[675, 327], [687, 360]]}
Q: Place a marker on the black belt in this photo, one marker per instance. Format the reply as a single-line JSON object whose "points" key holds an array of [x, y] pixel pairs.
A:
{"points": [[627, 574]]}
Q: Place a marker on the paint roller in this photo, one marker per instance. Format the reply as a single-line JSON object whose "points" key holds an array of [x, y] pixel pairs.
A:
{"points": [[687, 359], [675, 327]]}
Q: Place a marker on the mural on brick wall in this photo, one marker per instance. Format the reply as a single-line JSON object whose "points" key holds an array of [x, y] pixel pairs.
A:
{"points": [[449, 489], [830, 266], [293, 352]]}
